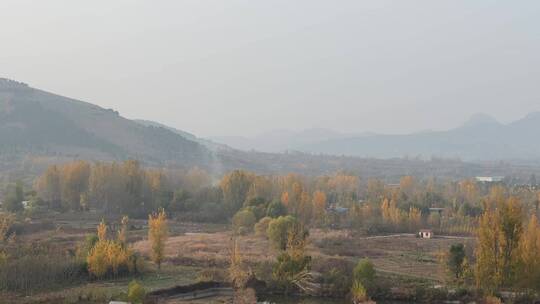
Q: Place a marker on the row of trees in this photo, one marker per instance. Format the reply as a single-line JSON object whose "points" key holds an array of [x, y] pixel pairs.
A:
{"points": [[506, 255], [128, 188], [122, 188]]}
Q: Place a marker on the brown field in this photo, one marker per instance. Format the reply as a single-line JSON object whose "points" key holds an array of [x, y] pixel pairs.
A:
{"points": [[395, 254], [194, 248], [401, 254]]}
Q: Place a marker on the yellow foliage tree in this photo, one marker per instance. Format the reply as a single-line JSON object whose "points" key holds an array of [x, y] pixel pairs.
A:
{"points": [[319, 205], [285, 199], [415, 218], [157, 234], [529, 254], [102, 230], [498, 236], [97, 259], [107, 256]]}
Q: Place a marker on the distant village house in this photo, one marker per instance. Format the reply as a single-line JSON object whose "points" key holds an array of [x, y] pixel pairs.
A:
{"points": [[425, 233]]}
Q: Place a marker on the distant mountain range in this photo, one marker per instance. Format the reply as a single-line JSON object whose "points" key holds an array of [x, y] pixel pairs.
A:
{"points": [[276, 141], [481, 138], [38, 128]]}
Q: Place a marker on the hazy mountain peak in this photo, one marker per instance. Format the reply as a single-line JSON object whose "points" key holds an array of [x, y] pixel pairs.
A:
{"points": [[532, 115], [480, 119]]}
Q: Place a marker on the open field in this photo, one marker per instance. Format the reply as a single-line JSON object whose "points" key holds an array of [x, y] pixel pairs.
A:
{"points": [[401, 254], [194, 249]]}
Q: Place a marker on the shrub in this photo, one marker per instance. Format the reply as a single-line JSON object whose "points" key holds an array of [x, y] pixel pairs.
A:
{"points": [[136, 292], [364, 273], [109, 257], [336, 282], [276, 209], [262, 226], [359, 293], [243, 221], [291, 270], [213, 275], [278, 230]]}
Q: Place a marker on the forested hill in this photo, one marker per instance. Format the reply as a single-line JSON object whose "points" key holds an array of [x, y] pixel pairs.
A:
{"points": [[36, 122]]}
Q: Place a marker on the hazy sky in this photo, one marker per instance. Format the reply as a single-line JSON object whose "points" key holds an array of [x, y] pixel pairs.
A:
{"points": [[229, 67]]}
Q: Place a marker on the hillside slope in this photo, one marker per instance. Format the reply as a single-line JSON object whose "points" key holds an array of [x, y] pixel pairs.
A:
{"points": [[38, 122]]}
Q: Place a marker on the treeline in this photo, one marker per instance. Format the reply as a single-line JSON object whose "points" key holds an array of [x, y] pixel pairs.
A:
{"points": [[336, 200], [506, 257], [118, 188]]}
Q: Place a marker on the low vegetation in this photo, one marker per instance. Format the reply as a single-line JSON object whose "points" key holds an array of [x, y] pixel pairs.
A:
{"points": [[328, 236]]}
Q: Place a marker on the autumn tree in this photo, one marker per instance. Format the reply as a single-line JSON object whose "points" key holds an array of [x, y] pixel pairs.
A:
{"points": [[529, 257], [305, 208], [237, 268], [106, 257], [48, 186], [498, 236], [102, 231], [261, 188], [157, 235], [415, 218], [74, 183], [344, 187], [319, 206], [375, 190], [197, 179], [235, 187], [122, 233], [406, 185]]}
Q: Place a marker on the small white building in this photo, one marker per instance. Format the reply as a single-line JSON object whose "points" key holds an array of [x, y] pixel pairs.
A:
{"points": [[489, 179], [425, 233]]}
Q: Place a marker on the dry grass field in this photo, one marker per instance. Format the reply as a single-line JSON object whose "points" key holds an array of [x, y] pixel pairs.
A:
{"points": [[210, 249], [401, 254], [194, 248]]}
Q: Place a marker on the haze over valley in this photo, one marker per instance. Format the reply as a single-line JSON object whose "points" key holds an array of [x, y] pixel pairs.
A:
{"points": [[269, 152]]}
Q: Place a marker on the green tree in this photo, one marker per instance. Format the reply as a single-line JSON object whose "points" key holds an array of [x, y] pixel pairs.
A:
{"points": [[364, 273], [276, 209], [455, 261], [14, 198], [243, 221], [262, 226], [278, 230], [136, 292], [292, 268]]}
